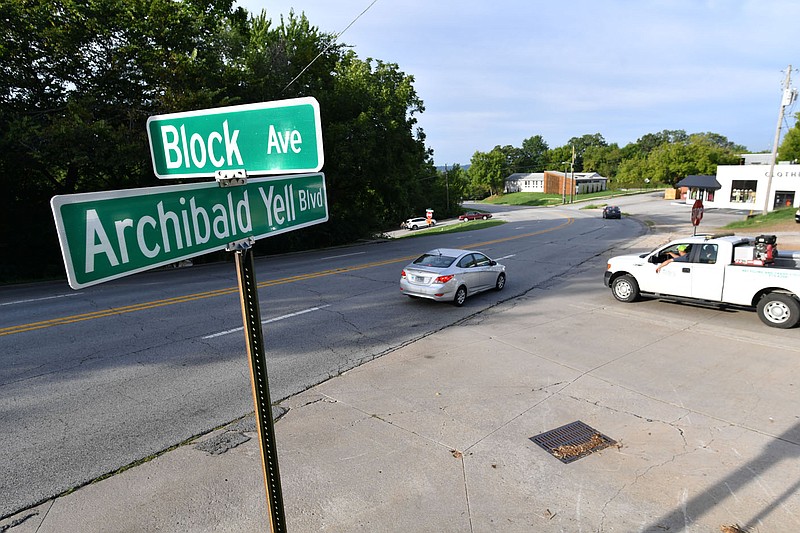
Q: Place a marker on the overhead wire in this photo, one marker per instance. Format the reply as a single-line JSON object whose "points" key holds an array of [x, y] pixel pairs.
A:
{"points": [[335, 38]]}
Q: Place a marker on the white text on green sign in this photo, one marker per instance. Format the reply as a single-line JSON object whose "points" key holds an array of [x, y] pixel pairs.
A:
{"points": [[108, 235], [265, 138]]}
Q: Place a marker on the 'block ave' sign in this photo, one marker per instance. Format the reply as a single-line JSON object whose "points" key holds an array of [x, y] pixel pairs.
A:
{"points": [[278, 137]]}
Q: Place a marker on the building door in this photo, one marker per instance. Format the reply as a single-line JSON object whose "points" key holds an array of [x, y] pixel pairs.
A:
{"points": [[783, 199]]}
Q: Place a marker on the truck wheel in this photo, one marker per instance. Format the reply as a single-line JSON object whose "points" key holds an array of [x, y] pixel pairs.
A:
{"points": [[625, 288], [779, 310], [461, 296]]}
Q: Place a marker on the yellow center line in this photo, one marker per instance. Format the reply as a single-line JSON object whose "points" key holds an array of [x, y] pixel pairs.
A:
{"points": [[22, 328]]}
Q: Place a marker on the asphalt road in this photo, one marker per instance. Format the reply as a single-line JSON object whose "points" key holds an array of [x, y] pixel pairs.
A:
{"points": [[93, 380]]}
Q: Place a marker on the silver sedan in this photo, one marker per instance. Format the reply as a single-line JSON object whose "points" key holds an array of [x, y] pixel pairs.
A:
{"points": [[449, 274]]}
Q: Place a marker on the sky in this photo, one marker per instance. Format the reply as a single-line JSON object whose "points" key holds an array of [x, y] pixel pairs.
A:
{"points": [[498, 72]]}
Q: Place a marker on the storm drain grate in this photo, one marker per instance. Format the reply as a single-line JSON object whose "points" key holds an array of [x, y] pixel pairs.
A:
{"points": [[572, 441]]}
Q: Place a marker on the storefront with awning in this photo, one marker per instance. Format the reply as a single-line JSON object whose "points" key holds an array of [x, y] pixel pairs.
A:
{"points": [[698, 188]]}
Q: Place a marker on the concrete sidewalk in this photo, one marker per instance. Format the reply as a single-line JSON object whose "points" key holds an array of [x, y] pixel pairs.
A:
{"points": [[436, 435]]}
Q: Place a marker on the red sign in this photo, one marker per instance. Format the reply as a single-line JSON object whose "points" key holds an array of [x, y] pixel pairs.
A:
{"points": [[697, 212]]}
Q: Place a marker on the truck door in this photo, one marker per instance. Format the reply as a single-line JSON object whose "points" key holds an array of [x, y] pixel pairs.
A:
{"points": [[707, 274], [675, 278]]}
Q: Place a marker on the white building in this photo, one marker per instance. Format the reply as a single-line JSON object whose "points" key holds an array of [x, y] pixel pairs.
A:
{"points": [[525, 182], [745, 186], [554, 182]]}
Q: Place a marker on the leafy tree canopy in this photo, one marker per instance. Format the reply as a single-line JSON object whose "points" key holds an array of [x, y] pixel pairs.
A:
{"points": [[78, 81], [789, 150]]}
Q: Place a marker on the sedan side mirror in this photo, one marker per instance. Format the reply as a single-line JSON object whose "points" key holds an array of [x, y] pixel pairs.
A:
{"points": [[492, 262]]}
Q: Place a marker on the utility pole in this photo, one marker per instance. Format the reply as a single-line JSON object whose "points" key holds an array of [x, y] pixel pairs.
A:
{"points": [[787, 98], [447, 188], [572, 175]]}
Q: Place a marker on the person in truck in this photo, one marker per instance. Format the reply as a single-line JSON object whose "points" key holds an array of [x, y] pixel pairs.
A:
{"points": [[680, 256]]}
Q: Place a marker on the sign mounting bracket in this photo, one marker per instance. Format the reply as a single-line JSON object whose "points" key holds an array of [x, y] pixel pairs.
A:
{"points": [[231, 178]]}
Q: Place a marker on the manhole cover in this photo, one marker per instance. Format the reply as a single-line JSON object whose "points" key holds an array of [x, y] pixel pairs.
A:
{"points": [[572, 441]]}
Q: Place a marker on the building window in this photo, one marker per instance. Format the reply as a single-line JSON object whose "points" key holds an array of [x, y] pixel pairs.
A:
{"points": [[743, 191]]}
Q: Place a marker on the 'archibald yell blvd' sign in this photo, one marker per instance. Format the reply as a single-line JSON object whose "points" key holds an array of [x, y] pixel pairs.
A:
{"points": [[108, 235]]}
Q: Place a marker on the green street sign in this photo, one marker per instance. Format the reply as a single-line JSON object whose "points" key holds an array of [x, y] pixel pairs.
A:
{"points": [[108, 235], [278, 137]]}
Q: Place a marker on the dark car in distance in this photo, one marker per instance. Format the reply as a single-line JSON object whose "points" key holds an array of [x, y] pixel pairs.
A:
{"points": [[611, 211], [474, 215]]}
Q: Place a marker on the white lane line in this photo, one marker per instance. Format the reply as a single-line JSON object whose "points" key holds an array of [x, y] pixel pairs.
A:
{"points": [[38, 299], [343, 255], [277, 318], [504, 257]]}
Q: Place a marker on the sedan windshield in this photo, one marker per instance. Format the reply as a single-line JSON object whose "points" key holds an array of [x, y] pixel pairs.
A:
{"points": [[436, 261]]}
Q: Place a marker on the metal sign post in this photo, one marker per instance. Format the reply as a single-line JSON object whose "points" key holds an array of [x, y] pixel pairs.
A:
{"points": [[251, 314]]}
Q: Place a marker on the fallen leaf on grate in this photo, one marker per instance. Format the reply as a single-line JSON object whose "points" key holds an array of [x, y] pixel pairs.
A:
{"points": [[569, 450], [731, 529]]}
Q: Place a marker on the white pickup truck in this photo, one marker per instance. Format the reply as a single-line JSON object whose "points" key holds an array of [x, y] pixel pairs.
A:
{"points": [[731, 270]]}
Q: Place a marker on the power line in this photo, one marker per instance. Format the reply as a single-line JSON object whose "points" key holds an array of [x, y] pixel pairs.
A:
{"points": [[335, 38]]}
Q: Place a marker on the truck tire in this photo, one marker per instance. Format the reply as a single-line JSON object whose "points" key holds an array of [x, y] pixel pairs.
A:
{"points": [[779, 310], [625, 289]]}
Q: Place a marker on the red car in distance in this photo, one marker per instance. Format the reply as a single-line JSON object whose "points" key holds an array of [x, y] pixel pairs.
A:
{"points": [[474, 215]]}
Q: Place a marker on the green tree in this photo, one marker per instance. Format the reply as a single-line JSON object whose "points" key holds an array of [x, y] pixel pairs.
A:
{"points": [[532, 155], [78, 81], [604, 160], [487, 172], [669, 163], [456, 182], [789, 150], [581, 144], [559, 158], [632, 172], [382, 170], [650, 141]]}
